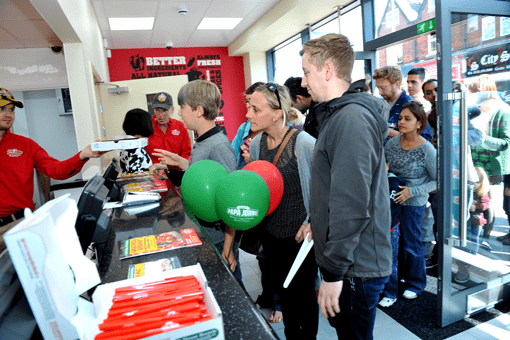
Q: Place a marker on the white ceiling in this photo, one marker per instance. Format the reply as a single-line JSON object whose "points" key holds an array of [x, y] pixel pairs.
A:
{"points": [[265, 24], [170, 26], [21, 26]]}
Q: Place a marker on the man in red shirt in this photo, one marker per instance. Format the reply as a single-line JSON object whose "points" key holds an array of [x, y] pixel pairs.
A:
{"points": [[19, 156], [169, 134]]}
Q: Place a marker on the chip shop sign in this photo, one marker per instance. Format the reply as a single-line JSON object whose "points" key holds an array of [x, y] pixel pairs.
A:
{"points": [[493, 60]]}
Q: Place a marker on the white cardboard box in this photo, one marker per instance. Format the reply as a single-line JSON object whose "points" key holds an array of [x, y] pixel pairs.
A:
{"points": [[119, 144], [53, 271]]}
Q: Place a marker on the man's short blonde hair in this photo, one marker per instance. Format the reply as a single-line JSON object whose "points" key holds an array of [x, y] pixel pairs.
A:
{"points": [[334, 47], [392, 73], [203, 93]]}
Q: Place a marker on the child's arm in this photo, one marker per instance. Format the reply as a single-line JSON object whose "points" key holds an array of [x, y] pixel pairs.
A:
{"points": [[228, 249], [171, 159]]}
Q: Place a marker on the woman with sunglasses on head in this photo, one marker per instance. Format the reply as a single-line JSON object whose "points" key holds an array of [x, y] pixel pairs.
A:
{"points": [[286, 227]]}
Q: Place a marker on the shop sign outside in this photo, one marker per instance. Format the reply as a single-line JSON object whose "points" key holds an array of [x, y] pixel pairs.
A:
{"points": [[487, 61]]}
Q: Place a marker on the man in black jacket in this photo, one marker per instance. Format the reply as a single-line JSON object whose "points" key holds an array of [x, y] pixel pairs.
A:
{"points": [[349, 206]]}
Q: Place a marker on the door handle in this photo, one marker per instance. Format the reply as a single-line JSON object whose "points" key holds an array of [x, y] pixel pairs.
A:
{"points": [[463, 171]]}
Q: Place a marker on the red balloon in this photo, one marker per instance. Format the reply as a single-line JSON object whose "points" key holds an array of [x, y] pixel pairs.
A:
{"points": [[273, 178]]}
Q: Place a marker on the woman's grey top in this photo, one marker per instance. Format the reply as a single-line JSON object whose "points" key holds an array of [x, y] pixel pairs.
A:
{"points": [[304, 151], [418, 166]]}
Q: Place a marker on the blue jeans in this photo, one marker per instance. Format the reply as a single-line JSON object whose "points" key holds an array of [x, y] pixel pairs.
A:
{"points": [[358, 303], [412, 264], [391, 287]]}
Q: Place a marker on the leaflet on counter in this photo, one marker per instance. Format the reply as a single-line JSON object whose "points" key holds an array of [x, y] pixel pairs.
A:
{"points": [[158, 243], [153, 267]]}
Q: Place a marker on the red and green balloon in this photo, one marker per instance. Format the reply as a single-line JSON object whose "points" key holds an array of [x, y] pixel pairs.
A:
{"points": [[241, 199]]}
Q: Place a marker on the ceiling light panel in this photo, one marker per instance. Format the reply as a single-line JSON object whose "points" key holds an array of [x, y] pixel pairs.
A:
{"points": [[219, 23], [131, 24]]}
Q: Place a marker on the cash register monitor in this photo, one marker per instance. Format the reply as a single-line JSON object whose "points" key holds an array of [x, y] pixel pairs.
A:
{"points": [[90, 208]]}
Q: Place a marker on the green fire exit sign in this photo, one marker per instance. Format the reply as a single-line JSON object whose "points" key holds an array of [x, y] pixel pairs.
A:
{"points": [[426, 26]]}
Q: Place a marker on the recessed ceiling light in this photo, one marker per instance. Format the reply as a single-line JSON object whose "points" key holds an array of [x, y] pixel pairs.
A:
{"points": [[131, 24], [219, 23]]}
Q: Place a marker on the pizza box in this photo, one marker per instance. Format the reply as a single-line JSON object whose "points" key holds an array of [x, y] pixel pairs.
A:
{"points": [[53, 271], [119, 144]]}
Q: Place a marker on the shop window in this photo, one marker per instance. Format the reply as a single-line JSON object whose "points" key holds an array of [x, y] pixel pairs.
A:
{"points": [[288, 61], [472, 24], [504, 25], [488, 28], [392, 19], [352, 27], [394, 15], [330, 27], [395, 54], [431, 5], [431, 43]]}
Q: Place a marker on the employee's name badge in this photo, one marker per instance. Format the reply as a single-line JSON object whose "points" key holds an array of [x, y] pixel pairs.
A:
{"points": [[14, 153]]}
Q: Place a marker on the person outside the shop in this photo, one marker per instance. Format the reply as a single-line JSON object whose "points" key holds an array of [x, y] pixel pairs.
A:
{"points": [[244, 133], [169, 134], [200, 103], [19, 156], [493, 155], [352, 239], [388, 80]]}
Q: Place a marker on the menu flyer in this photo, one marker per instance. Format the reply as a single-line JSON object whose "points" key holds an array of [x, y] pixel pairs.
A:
{"points": [[158, 243], [153, 267]]}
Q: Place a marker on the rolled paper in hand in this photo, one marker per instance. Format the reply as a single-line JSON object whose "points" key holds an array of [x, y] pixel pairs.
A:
{"points": [[305, 249]]}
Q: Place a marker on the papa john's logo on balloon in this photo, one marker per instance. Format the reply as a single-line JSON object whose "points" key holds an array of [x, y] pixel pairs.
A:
{"points": [[242, 212]]}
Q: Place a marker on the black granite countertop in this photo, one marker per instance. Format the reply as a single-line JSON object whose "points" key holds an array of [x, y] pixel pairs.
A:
{"points": [[241, 318]]}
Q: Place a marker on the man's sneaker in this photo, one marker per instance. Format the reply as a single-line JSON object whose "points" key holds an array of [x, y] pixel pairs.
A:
{"points": [[409, 295], [386, 302], [430, 262], [504, 237]]}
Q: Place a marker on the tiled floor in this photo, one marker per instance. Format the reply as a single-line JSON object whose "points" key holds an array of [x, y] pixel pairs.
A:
{"points": [[386, 328]]}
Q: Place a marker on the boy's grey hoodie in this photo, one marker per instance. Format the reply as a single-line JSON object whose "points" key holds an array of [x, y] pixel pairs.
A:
{"points": [[349, 205]]}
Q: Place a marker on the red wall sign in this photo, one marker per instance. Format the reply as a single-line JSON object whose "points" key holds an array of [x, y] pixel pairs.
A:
{"points": [[208, 63]]}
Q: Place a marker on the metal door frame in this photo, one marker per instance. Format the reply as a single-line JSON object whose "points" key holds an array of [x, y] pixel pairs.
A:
{"points": [[451, 306]]}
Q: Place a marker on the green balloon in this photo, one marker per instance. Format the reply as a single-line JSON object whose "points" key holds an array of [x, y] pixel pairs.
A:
{"points": [[198, 187], [242, 199]]}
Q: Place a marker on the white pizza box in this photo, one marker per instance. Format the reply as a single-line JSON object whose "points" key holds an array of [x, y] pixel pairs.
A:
{"points": [[119, 144], [53, 271]]}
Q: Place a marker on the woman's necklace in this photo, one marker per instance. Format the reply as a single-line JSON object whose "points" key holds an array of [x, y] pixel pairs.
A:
{"points": [[407, 145]]}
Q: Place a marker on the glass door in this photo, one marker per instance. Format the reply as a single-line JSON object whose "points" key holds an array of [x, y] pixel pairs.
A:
{"points": [[473, 54]]}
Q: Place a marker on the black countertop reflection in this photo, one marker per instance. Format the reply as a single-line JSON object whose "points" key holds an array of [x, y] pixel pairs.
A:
{"points": [[241, 318]]}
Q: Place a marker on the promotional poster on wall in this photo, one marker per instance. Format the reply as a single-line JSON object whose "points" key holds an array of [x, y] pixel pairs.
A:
{"points": [[206, 63]]}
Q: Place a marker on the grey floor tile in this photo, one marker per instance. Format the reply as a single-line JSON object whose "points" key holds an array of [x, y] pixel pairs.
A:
{"points": [[326, 332], [487, 331], [463, 336], [247, 270], [393, 331], [502, 321], [383, 319], [252, 282]]}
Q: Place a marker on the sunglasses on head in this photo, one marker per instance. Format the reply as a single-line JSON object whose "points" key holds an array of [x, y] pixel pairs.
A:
{"points": [[273, 88]]}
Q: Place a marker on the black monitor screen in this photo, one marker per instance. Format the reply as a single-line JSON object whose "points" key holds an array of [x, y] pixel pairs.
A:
{"points": [[90, 207]]}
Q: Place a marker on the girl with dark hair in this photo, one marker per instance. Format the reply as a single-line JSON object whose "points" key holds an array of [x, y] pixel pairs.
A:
{"points": [[413, 159], [138, 124]]}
